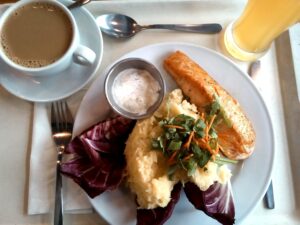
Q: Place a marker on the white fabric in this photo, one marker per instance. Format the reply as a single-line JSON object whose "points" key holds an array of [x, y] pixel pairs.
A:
{"points": [[43, 165]]}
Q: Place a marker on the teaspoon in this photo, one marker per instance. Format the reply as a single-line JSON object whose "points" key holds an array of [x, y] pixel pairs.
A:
{"points": [[122, 26], [78, 3]]}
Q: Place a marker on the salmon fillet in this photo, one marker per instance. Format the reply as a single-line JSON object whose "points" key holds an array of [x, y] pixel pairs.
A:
{"points": [[238, 138]]}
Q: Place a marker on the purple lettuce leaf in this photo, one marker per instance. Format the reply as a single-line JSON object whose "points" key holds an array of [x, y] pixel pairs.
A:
{"points": [[159, 215], [98, 161], [216, 201]]}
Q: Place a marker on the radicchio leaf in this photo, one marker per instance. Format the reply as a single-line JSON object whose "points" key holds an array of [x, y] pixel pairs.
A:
{"points": [[216, 201], [159, 215], [98, 161]]}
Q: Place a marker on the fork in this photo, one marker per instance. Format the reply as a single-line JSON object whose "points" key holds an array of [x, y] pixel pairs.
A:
{"points": [[62, 126]]}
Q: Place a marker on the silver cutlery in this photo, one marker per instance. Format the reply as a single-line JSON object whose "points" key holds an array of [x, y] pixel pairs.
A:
{"points": [[269, 196], [62, 126], [78, 3], [254, 69], [122, 26]]}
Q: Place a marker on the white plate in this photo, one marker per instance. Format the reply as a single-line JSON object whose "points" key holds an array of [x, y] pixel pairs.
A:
{"points": [[58, 86], [250, 179]]}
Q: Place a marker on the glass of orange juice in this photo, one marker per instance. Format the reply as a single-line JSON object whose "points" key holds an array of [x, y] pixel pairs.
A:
{"points": [[251, 35]]}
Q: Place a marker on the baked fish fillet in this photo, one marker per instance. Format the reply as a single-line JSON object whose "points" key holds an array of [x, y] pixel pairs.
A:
{"points": [[237, 139]]}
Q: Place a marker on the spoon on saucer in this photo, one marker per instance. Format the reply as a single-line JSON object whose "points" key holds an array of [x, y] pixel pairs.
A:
{"points": [[78, 3], [122, 26]]}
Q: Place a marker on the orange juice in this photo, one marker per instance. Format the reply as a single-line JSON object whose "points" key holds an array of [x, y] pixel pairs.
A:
{"points": [[261, 22]]}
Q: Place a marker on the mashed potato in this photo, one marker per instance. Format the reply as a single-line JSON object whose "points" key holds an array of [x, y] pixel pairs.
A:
{"points": [[147, 168]]}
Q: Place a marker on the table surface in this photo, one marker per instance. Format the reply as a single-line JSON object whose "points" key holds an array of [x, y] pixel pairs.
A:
{"points": [[16, 115]]}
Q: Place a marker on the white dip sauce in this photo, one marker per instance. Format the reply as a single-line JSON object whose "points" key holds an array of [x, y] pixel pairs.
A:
{"points": [[135, 90]]}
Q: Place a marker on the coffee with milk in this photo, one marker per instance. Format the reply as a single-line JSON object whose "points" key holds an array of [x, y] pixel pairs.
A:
{"points": [[36, 35]]}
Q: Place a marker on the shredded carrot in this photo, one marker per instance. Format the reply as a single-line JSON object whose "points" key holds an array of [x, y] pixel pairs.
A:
{"points": [[217, 149], [220, 147], [202, 115], [173, 126], [188, 157], [188, 142], [211, 121], [215, 152], [209, 125], [171, 159], [202, 143]]}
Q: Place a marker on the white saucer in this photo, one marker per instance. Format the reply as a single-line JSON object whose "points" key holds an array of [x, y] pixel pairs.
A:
{"points": [[60, 86]]}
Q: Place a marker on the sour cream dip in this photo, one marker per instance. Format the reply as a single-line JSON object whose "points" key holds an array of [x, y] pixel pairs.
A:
{"points": [[135, 90]]}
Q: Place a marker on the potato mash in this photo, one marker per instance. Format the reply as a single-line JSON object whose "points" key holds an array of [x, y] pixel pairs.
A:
{"points": [[147, 169]]}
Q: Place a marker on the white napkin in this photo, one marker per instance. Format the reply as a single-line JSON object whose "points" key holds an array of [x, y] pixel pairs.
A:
{"points": [[43, 165]]}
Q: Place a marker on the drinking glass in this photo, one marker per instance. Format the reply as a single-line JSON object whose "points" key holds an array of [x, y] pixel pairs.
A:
{"points": [[250, 36]]}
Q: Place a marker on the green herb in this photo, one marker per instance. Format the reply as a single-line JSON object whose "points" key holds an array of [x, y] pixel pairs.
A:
{"points": [[216, 109], [188, 143], [178, 146], [227, 121], [213, 133], [215, 106], [202, 156], [163, 122], [174, 145], [156, 144], [191, 166], [213, 143], [171, 171], [199, 128], [222, 160]]}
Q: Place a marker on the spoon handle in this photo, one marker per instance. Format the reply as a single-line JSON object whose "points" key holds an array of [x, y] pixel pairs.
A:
{"points": [[209, 28], [78, 3]]}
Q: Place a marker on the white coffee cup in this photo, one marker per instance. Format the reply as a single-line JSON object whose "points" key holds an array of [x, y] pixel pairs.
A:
{"points": [[76, 52]]}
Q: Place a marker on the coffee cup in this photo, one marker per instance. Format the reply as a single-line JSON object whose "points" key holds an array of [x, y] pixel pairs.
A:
{"points": [[41, 38]]}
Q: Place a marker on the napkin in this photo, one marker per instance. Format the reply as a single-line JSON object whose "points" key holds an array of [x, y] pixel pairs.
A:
{"points": [[43, 166]]}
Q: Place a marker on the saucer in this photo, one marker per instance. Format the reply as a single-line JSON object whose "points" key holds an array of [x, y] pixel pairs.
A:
{"points": [[58, 86]]}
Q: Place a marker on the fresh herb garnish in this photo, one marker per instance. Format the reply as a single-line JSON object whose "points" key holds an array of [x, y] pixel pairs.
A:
{"points": [[222, 160], [202, 156], [178, 143], [215, 108], [188, 143]]}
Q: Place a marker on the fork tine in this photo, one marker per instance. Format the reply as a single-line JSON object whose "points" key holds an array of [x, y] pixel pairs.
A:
{"points": [[67, 116], [54, 115], [61, 116]]}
